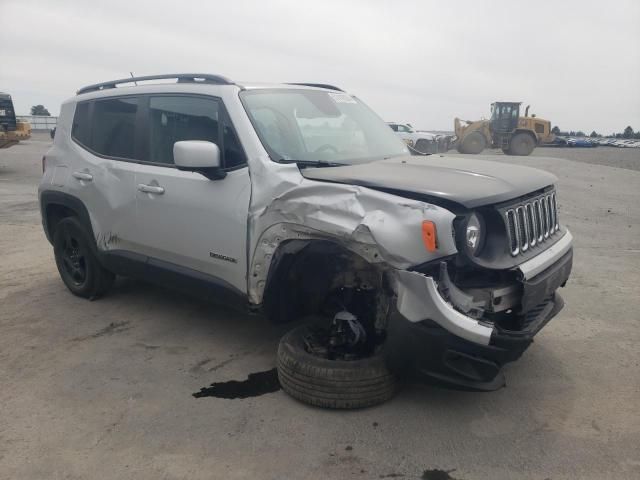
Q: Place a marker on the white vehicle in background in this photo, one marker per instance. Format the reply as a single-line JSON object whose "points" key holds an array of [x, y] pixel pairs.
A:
{"points": [[423, 142]]}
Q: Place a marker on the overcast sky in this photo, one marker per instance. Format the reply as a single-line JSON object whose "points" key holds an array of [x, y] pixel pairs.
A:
{"points": [[424, 62]]}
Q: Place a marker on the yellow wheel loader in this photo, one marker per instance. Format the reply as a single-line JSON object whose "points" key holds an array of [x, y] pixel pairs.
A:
{"points": [[11, 130], [506, 129]]}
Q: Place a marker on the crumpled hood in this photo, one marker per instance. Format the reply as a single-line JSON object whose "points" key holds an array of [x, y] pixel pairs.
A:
{"points": [[467, 181]]}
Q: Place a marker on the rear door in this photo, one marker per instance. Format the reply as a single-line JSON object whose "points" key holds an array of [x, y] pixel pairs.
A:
{"points": [[183, 218], [101, 169]]}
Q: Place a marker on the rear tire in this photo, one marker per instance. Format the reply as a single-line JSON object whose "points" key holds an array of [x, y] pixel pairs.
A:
{"points": [[331, 383], [473, 143], [77, 262], [522, 144]]}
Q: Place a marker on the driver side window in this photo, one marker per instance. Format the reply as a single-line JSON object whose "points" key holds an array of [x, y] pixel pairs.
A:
{"points": [[181, 117], [173, 119]]}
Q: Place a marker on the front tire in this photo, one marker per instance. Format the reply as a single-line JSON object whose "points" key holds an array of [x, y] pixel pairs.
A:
{"points": [[473, 143], [76, 261], [331, 383], [522, 144]]}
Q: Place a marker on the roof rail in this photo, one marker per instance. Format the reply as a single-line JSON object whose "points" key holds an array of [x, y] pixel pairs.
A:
{"points": [[181, 78], [318, 85]]}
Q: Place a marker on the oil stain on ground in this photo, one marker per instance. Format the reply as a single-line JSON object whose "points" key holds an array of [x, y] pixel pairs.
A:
{"points": [[256, 384], [433, 474], [437, 474]]}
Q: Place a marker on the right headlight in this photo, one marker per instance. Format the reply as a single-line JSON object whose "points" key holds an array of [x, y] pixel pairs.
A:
{"points": [[475, 234]]}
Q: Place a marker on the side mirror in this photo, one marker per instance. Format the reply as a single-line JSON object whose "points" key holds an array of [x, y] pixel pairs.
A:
{"points": [[198, 156]]}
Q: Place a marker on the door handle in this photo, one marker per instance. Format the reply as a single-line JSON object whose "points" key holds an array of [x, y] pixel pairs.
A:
{"points": [[87, 177], [151, 189]]}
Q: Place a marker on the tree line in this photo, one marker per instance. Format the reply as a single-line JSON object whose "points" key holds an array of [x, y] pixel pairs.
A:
{"points": [[627, 133]]}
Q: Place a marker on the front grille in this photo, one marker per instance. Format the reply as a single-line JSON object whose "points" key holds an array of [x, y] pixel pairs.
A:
{"points": [[531, 222]]}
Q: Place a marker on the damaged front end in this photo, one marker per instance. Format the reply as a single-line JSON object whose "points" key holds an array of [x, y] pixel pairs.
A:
{"points": [[462, 322], [435, 307]]}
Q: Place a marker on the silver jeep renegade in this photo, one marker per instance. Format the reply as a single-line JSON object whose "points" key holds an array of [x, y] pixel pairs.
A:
{"points": [[299, 202]]}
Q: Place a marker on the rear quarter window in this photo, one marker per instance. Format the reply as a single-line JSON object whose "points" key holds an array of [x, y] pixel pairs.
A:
{"points": [[80, 130]]}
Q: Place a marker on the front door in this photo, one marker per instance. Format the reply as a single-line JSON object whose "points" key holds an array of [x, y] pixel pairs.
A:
{"points": [[183, 218]]}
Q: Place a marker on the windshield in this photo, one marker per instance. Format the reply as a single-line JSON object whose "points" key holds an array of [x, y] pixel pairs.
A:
{"points": [[319, 126]]}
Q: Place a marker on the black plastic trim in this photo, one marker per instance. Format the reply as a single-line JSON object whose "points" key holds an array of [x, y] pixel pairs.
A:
{"points": [[318, 85], [52, 197], [177, 277], [427, 352]]}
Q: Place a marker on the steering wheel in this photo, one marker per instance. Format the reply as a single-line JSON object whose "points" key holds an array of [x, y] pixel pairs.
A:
{"points": [[325, 147]]}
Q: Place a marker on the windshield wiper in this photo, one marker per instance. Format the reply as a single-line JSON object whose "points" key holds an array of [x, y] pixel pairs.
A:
{"points": [[311, 163]]}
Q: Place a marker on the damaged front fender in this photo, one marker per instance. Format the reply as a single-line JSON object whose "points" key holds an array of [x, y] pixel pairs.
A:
{"points": [[380, 227]]}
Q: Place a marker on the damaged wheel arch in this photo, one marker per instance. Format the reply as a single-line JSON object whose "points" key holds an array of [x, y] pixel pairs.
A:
{"points": [[303, 272]]}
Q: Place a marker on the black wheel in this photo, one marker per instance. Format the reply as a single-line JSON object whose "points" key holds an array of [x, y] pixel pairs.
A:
{"points": [[521, 144], [473, 143], [77, 263], [331, 383]]}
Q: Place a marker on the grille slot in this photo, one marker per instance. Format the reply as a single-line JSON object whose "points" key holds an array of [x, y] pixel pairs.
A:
{"points": [[522, 229], [513, 232], [539, 227], [531, 222]]}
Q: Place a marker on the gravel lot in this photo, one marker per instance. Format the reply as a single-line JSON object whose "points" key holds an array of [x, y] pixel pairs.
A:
{"points": [[104, 389]]}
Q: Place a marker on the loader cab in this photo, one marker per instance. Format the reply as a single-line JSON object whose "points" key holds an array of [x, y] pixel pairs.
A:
{"points": [[7, 114], [504, 116]]}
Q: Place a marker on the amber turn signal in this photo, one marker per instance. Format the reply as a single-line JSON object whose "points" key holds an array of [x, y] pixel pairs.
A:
{"points": [[429, 235]]}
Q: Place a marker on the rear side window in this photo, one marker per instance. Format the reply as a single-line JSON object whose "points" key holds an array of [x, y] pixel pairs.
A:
{"points": [[173, 119], [113, 127], [80, 130]]}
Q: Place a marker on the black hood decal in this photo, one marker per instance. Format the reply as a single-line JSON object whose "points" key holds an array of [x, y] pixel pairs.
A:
{"points": [[470, 182]]}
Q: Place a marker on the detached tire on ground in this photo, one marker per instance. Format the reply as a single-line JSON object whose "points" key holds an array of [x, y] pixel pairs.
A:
{"points": [[473, 143], [522, 144], [331, 383], [77, 263]]}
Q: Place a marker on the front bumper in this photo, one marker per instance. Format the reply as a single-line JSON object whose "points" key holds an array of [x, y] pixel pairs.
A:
{"points": [[427, 352], [443, 343]]}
